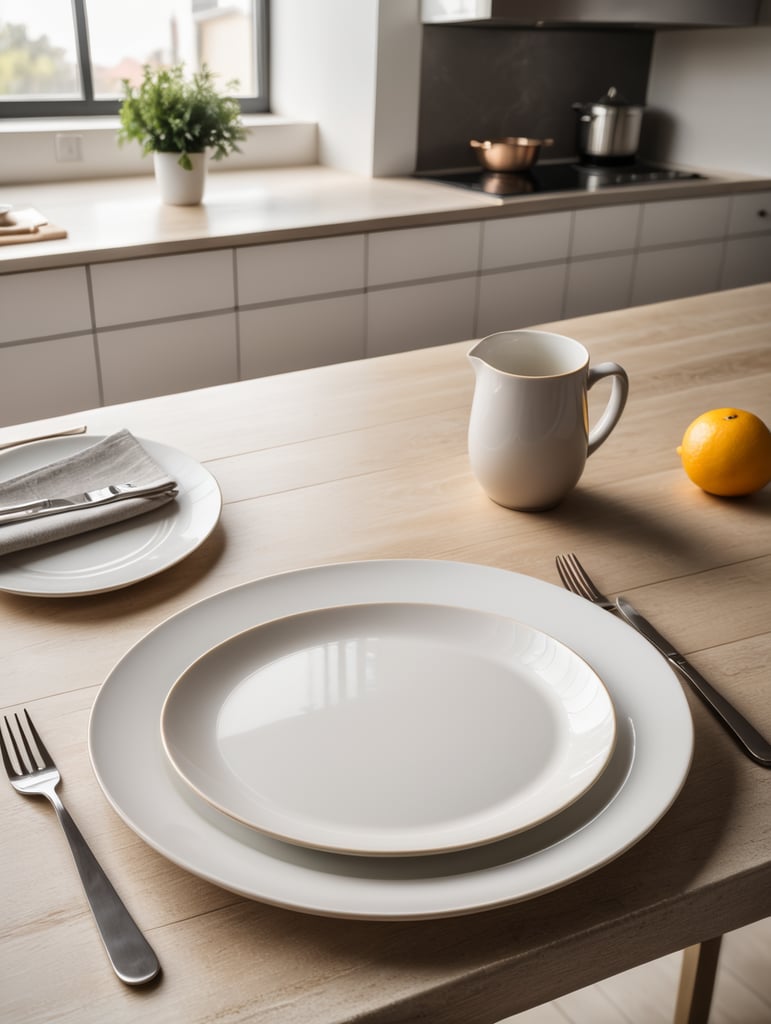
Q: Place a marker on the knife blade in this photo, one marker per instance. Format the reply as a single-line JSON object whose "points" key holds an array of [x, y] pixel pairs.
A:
{"points": [[87, 499], [758, 748]]}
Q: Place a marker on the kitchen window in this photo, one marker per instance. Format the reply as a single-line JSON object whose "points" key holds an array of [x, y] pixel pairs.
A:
{"points": [[69, 57]]}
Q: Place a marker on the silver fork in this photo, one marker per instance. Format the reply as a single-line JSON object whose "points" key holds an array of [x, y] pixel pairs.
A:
{"points": [[35, 774], [576, 579]]}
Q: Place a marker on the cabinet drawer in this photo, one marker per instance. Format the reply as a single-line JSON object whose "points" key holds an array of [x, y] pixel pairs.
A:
{"points": [[44, 302], [47, 378], [520, 240], [415, 253], [143, 362], [677, 272], [606, 229], [277, 339], [289, 270], [130, 291], [684, 220], [520, 298], [747, 261], [750, 213], [597, 285], [417, 316]]}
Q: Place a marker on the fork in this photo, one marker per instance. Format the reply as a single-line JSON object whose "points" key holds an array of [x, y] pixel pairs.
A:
{"points": [[36, 774], [576, 579]]}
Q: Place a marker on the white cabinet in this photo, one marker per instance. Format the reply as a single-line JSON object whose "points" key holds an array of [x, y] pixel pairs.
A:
{"points": [[417, 316], [132, 291], [412, 254], [676, 221], [513, 299], [296, 335], [288, 270], [519, 241], [47, 378], [44, 302], [598, 281], [750, 213], [163, 358]]}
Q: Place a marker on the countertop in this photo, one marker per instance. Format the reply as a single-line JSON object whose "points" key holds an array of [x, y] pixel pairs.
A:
{"points": [[120, 218]]}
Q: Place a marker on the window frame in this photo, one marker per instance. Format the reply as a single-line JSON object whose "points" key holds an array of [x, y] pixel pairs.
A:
{"points": [[90, 107]]}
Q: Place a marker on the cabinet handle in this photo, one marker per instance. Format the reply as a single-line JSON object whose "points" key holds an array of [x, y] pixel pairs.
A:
{"points": [[762, 213]]}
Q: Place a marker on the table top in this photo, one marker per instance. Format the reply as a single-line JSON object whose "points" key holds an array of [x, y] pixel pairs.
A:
{"points": [[368, 460]]}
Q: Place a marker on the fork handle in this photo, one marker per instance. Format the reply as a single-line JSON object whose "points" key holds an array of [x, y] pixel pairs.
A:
{"points": [[130, 953]]}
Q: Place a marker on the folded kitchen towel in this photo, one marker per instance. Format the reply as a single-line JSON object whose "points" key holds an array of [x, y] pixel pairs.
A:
{"points": [[117, 459]]}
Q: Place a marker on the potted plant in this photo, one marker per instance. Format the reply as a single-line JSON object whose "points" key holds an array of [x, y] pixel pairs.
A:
{"points": [[180, 121]]}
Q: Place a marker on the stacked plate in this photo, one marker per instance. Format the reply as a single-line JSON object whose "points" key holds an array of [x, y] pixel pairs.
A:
{"points": [[321, 741]]}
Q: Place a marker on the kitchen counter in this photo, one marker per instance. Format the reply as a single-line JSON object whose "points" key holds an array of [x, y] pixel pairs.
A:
{"points": [[119, 218]]}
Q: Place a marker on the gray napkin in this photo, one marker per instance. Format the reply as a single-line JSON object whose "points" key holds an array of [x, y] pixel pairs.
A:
{"points": [[116, 459]]}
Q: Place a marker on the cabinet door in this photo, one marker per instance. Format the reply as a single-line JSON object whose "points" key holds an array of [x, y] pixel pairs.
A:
{"points": [[47, 378], [747, 261], [296, 335], [417, 316], [131, 291], [161, 359], [605, 229], [750, 213], [289, 270], [520, 298], [597, 285], [414, 253], [517, 241], [676, 221], [673, 273], [44, 302]]}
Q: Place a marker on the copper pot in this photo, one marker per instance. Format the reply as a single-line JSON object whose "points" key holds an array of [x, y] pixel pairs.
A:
{"points": [[509, 154]]}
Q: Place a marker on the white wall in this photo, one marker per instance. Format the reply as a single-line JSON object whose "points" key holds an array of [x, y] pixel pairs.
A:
{"points": [[709, 98], [353, 66]]}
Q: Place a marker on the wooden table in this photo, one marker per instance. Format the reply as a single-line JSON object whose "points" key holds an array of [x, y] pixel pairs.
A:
{"points": [[368, 460]]}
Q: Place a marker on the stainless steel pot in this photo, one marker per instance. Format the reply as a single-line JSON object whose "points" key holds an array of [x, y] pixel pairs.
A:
{"points": [[610, 128], [509, 154]]}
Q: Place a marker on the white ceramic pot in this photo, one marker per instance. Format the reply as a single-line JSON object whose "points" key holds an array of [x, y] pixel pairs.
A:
{"points": [[178, 186]]}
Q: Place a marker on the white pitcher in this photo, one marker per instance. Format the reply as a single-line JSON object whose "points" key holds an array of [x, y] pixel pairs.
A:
{"points": [[529, 435]]}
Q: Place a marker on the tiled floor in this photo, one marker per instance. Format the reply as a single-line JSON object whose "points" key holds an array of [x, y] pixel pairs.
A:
{"points": [[646, 995]]}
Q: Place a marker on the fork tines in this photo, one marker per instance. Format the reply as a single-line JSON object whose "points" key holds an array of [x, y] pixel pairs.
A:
{"points": [[33, 757]]}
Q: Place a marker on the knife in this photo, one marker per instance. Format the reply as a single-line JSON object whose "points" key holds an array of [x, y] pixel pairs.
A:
{"points": [[746, 734], [88, 499]]}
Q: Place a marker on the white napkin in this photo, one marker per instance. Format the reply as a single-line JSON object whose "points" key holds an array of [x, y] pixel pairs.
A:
{"points": [[117, 459]]}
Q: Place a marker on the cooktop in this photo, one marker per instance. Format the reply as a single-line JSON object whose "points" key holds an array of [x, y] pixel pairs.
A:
{"points": [[558, 177]]}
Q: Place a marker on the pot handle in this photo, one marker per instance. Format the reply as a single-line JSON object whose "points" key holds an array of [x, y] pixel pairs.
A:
{"points": [[547, 142], [480, 145]]}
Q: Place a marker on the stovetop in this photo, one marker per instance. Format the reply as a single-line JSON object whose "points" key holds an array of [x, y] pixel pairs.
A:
{"points": [[558, 177]]}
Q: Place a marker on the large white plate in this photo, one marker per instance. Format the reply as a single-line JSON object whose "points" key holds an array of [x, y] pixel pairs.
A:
{"points": [[645, 773], [119, 555], [390, 729]]}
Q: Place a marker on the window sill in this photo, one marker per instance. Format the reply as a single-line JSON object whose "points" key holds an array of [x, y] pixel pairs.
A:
{"points": [[42, 149]]}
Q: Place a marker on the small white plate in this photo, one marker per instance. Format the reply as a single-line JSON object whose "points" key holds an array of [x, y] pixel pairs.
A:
{"points": [[119, 555], [390, 729]]}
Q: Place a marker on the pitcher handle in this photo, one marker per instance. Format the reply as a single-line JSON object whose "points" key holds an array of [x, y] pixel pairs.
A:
{"points": [[618, 395]]}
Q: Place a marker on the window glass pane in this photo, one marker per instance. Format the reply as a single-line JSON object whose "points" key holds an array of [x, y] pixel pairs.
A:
{"points": [[38, 56], [124, 37]]}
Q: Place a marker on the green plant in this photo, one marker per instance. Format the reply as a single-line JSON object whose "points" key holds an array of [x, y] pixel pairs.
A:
{"points": [[168, 113]]}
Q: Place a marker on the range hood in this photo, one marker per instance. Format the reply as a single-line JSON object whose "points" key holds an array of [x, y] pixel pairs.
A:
{"points": [[645, 14]]}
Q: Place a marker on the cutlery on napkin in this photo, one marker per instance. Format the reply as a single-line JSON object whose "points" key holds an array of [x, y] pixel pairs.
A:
{"points": [[117, 458]]}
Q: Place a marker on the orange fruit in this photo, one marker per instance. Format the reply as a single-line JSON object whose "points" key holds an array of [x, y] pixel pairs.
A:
{"points": [[727, 452]]}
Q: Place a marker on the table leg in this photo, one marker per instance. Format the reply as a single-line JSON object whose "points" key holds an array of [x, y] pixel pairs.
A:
{"points": [[697, 982]]}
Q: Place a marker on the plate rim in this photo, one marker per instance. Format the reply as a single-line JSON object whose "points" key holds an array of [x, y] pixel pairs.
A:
{"points": [[457, 838], [234, 861]]}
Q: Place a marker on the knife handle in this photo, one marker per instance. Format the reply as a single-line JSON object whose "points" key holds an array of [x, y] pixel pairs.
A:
{"points": [[747, 735]]}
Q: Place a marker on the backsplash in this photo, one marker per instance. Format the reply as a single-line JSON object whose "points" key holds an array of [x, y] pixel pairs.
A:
{"points": [[491, 82]]}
